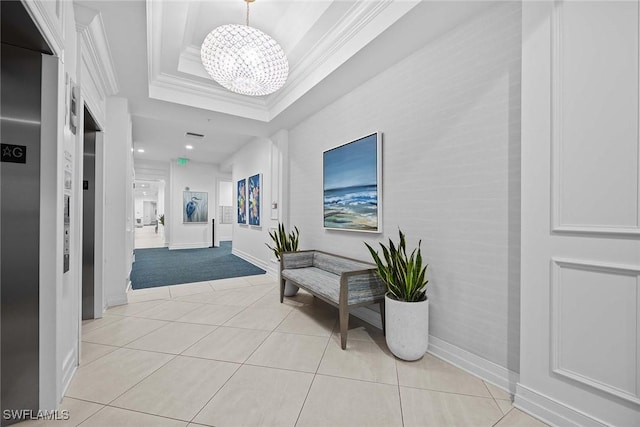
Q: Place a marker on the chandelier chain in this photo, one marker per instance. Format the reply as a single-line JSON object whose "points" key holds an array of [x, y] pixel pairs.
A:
{"points": [[247, 14]]}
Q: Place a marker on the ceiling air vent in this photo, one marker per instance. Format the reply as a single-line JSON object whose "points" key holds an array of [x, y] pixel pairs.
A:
{"points": [[194, 135]]}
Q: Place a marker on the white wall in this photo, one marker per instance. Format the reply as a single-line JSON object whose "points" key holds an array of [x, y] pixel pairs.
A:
{"points": [[59, 292], [118, 210], [198, 177], [580, 363], [450, 118], [249, 241]]}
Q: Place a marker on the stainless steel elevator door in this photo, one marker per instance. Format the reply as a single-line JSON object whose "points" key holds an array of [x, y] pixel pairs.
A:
{"points": [[88, 216], [20, 97]]}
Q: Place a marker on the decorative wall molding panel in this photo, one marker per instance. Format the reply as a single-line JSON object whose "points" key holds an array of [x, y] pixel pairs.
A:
{"points": [[595, 330], [580, 265], [595, 142]]}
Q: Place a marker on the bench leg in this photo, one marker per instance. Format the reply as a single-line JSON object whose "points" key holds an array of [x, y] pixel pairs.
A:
{"points": [[384, 329], [344, 325], [282, 282]]}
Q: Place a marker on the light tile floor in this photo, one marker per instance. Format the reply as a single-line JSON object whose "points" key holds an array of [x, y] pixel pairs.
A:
{"points": [[227, 353], [146, 237]]}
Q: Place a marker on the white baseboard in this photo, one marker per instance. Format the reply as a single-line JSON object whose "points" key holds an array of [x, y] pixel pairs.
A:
{"points": [[190, 245], [551, 411], [271, 270], [495, 374], [69, 367]]}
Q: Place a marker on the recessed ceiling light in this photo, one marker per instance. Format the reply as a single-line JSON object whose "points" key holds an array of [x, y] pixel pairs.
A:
{"points": [[140, 150], [189, 147]]}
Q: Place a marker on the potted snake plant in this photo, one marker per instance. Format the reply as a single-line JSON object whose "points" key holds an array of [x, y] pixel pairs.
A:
{"points": [[285, 242], [406, 301]]}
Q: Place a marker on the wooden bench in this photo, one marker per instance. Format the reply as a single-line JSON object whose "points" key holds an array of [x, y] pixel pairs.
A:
{"points": [[342, 282]]}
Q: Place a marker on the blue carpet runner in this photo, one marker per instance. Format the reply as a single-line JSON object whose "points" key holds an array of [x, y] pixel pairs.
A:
{"points": [[161, 267]]}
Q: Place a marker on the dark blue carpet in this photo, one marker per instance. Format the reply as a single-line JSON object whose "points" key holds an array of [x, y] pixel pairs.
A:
{"points": [[161, 267]]}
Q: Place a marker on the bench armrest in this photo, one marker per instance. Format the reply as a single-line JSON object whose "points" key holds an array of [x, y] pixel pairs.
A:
{"points": [[362, 286], [298, 259]]}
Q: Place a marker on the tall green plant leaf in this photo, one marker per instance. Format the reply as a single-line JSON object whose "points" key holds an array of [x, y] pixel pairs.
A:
{"points": [[404, 275], [283, 242]]}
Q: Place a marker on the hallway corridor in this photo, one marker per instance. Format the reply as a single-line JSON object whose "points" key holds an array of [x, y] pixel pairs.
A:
{"points": [[146, 237], [227, 353]]}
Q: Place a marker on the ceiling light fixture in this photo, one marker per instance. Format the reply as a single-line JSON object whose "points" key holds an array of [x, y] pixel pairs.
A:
{"points": [[244, 59], [140, 150], [189, 147]]}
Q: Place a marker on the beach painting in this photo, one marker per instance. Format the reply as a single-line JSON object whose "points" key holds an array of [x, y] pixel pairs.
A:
{"points": [[195, 208], [254, 199], [242, 201], [352, 185]]}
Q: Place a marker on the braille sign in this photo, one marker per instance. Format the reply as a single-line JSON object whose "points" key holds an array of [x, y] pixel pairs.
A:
{"points": [[13, 153]]}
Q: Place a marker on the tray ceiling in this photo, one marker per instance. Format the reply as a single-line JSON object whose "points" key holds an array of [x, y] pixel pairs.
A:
{"points": [[317, 36]]}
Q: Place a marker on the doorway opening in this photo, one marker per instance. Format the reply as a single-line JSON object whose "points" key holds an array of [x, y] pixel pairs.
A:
{"points": [[89, 216], [149, 214]]}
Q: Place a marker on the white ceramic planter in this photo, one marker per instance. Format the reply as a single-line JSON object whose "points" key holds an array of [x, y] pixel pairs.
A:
{"points": [[407, 328], [290, 289]]}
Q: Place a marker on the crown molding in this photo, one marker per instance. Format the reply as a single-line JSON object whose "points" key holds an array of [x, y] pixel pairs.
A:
{"points": [[364, 22], [154, 34], [167, 87], [91, 31], [190, 62]]}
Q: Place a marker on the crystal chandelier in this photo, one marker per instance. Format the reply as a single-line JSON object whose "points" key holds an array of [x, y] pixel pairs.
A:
{"points": [[244, 59]]}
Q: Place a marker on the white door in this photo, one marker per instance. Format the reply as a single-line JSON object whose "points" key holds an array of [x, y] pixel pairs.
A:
{"points": [[580, 293]]}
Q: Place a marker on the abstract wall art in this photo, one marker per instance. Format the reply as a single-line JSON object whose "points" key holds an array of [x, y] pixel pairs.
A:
{"points": [[242, 201], [195, 207], [352, 190], [254, 199]]}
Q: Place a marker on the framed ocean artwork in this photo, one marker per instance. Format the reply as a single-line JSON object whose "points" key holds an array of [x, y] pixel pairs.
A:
{"points": [[254, 199], [195, 207], [242, 201], [352, 185]]}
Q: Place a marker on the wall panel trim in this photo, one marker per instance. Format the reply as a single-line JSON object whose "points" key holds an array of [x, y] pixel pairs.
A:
{"points": [[557, 161], [557, 264]]}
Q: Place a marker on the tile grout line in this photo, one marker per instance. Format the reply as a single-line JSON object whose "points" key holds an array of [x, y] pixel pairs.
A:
{"points": [[124, 345], [92, 415], [215, 394], [139, 412], [147, 376], [267, 337], [304, 402], [495, 403], [175, 356], [239, 365], [395, 361], [448, 392]]}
